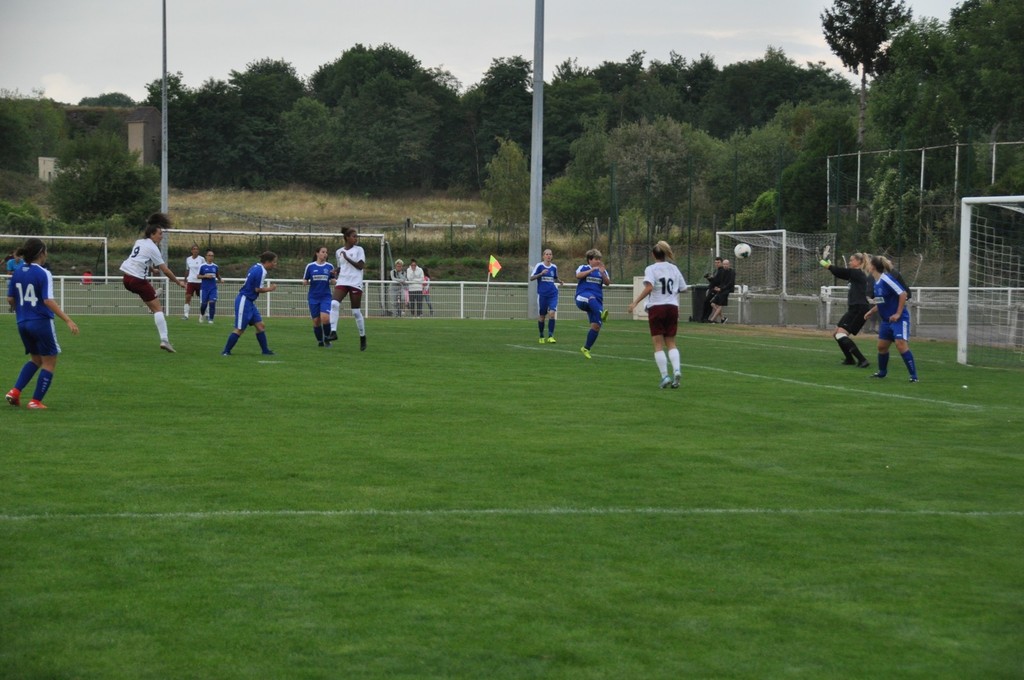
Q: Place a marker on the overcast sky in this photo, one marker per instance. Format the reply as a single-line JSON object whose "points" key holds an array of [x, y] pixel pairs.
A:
{"points": [[71, 49]]}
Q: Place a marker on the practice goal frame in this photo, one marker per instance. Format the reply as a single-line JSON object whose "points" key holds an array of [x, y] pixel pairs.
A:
{"points": [[990, 304], [782, 262], [46, 238]]}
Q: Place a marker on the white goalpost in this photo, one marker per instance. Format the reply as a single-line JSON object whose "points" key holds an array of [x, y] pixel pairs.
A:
{"points": [[990, 305], [19, 239]]}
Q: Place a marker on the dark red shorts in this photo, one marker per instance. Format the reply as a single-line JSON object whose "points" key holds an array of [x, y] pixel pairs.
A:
{"points": [[663, 320], [193, 288], [355, 295], [141, 287]]}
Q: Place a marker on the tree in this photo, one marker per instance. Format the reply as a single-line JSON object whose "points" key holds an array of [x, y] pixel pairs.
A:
{"points": [[501, 106], [29, 128], [97, 177], [507, 187], [856, 31], [583, 193], [656, 164], [114, 99], [748, 94]]}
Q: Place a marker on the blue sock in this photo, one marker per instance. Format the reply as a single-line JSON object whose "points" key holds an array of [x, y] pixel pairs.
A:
{"points": [[43, 384], [202, 309], [27, 371], [232, 341], [908, 359], [551, 326], [262, 339], [213, 310], [591, 338], [318, 331], [540, 327], [883, 363]]}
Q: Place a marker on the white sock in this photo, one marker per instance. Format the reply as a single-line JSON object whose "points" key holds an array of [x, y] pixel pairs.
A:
{"points": [[659, 358], [673, 356], [335, 313], [161, 325], [188, 308], [360, 324]]}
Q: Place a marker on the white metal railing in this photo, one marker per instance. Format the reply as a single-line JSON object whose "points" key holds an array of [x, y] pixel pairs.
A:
{"points": [[933, 309]]}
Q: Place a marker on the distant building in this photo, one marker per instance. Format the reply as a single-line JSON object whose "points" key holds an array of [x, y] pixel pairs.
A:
{"points": [[47, 168], [144, 134]]}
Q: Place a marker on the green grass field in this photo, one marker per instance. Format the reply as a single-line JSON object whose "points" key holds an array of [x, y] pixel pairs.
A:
{"points": [[460, 502]]}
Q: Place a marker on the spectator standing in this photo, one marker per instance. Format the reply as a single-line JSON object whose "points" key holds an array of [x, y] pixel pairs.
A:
{"points": [[30, 292], [145, 258], [713, 279], [399, 294], [426, 290], [726, 284], [663, 282], [414, 281]]}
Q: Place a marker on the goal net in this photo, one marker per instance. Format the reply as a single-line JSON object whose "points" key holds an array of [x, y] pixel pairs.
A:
{"points": [[781, 262], [67, 255], [990, 309]]}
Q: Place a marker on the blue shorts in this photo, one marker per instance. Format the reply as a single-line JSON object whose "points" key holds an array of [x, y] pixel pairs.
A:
{"points": [[547, 303], [593, 307], [894, 330], [206, 296], [39, 337], [319, 306], [246, 313]]}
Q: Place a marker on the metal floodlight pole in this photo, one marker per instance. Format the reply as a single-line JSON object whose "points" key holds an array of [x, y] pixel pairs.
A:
{"points": [[163, 121], [536, 151]]}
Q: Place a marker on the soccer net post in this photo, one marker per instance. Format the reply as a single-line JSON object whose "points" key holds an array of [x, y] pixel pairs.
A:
{"points": [[53, 243], [781, 262], [990, 306]]}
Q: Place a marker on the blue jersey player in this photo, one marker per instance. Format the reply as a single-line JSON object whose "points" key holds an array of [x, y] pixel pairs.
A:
{"points": [[318, 277], [209, 277], [894, 318], [591, 278], [546, 276], [30, 293], [246, 312]]}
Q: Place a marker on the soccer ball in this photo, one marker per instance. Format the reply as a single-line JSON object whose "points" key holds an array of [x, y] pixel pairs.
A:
{"points": [[742, 250]]}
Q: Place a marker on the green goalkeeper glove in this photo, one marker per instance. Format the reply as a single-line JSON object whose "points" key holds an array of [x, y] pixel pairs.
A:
{"points": [[824, 263]]}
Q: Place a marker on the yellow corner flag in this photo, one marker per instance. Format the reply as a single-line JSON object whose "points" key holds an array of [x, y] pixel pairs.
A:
{"points": [[493, 267]]}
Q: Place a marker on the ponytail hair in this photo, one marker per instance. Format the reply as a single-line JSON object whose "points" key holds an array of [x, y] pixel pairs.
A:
{"points": [[157, 221], [662, 251], [31, 250]]}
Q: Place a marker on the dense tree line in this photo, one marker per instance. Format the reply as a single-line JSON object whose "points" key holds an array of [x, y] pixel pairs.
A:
{"points": [[662, 139]]}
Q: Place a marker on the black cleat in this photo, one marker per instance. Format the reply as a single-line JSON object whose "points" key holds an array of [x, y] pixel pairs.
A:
{"points": [[864, 364], [848, 361], [879, 374], [333, 336]]}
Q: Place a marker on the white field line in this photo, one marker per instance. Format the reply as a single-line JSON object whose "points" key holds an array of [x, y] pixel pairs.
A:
{"points": [[506, 512], [791, 381]]}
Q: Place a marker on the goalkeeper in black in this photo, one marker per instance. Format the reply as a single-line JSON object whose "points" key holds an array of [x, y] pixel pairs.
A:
{"points": [[859, 305]]}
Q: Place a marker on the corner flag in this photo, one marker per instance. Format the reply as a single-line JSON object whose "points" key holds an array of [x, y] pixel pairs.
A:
{"points": [[493, 267]]}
